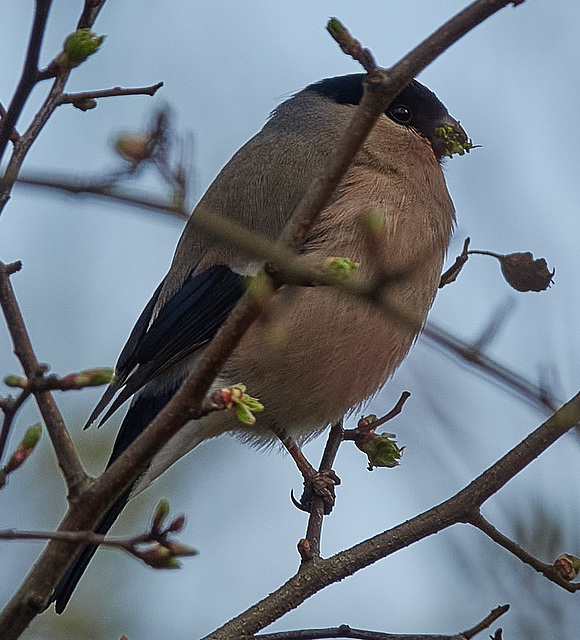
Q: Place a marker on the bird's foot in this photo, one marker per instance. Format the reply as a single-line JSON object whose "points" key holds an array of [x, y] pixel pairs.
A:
{"points": [[319, 484]]}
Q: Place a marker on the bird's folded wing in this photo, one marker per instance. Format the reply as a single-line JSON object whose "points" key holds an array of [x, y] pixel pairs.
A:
{"points": [[186, 322]]}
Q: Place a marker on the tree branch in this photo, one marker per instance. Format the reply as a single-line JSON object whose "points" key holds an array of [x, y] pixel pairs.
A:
{"points": [[28, 77], [71, 98], [10, 407], [345, 631], [548, 570], [314, 528], [320, 573], [68, 459]]}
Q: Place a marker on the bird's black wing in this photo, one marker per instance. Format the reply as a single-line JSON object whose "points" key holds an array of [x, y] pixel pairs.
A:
{"points": [[186, 322]]}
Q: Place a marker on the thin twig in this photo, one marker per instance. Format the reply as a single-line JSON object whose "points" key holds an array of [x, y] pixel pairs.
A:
{"points": [[154, 547], [455, 269], [14, 136], [10, 408], [71, 98], [371, 425], [346, 631], [548, 570], [486, 622], [29, 74]]}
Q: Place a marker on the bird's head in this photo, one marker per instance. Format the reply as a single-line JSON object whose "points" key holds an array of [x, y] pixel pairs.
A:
{"points": [[416, 107]]}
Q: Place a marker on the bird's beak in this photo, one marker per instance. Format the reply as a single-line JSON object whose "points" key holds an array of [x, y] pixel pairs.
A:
{"points": [[450, 138]]}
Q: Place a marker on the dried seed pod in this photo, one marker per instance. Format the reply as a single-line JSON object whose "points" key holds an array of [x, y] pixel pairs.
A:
{"points": [[524, 273]]}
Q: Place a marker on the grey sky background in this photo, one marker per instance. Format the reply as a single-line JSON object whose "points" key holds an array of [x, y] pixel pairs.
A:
{"points": [[90, 267]]}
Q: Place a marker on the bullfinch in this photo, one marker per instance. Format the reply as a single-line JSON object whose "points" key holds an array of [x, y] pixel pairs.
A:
{"points": [[330, 353]]}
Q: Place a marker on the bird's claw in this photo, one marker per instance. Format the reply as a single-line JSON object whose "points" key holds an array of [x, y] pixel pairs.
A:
{"points": [[321, 484]]}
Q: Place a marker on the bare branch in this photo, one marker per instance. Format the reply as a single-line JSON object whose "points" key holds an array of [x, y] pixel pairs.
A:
{"points": [[29, 75], [317, 512], [548, 570], [14, 136], [72, 98], [68, 459], [318, 574], [345, 631], [10, 408], [153, 547], [454, 270]]}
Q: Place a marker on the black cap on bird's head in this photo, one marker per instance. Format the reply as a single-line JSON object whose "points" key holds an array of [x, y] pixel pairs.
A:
{"points": [[416, 107]]}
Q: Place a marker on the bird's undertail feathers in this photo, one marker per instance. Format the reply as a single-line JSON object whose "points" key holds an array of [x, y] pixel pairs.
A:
{"points": [[141, 412]]}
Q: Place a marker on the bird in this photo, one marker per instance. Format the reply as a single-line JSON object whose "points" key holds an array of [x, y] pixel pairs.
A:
{"points": [[331, 353]]}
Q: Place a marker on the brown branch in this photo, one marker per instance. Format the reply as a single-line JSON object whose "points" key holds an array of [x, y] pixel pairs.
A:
{"points": [[525, 389], [26, 140], [345, 631], [320, 573], [317, 507], [71, 98], [68, 459], [9, 407], [72, 381], [486, 622], [548, 570], [28, 77], [14, 136], [455, 269], [364, 424], [153, 547], [90, 12]]}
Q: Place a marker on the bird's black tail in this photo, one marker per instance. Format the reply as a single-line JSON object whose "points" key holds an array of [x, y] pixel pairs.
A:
{"points": [[140, 414], [67, 585]]}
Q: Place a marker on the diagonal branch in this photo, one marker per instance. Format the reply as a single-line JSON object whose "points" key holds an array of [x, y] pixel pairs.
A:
{"points": [[29, 75], [320, 573], [548, 570], [68, 459]]}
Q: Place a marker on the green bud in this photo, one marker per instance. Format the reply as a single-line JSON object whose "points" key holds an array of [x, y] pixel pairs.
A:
{"points": [[178, 549], [259, 287], [373, 222], [161, 512], [245, 405], [15, 382], [97, 377], [86, 104], [381, 450], [80, 45], [568, 566], [339, 268], [32, 436], [245, 416], [172, 563]]}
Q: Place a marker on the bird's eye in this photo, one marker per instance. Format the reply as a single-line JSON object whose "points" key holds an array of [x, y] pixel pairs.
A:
{"points": [[401, 113]]}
